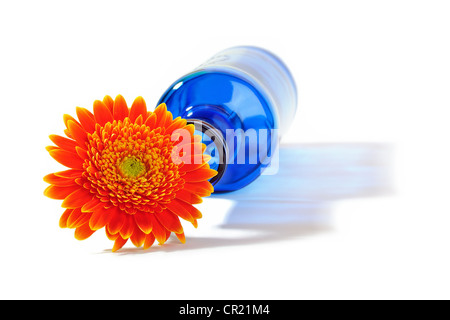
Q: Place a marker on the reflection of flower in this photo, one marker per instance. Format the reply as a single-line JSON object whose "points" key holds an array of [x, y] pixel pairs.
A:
{"points": [[126, 174]]}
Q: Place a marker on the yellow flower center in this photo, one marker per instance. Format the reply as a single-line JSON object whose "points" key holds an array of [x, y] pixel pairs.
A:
{"points": [[132, 168]]}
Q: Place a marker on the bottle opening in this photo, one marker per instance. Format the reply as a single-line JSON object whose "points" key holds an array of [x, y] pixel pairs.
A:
{"points": [[215, 147]]}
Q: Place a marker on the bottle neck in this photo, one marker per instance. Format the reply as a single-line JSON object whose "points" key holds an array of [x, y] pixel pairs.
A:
{"points": [[216, 147]]}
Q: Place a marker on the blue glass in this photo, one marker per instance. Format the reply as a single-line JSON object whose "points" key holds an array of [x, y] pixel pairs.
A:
{"points": [[240, 90]]}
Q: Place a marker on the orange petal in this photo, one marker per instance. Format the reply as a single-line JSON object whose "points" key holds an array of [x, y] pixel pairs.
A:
{"points": [[119, 243], [72, 173], [194, 149], [66, 158], [181, 237], [99, 218], [102, 113], [120, 109], [77, 199], [149, 240], [164, 117], [188, 197], [168, 233], [160, 113], [176, 207], [203, 188], [83, 232], [109, 102], [176, 124], [138, 108], [63, 143], [67, 132], [50, 148], [77, 218], [143, 221], [82, 153], [199, 175], [66, 119], [190, 128], [87, 119], [92, 205], [128, 227], [59, 193], [111, 236], [59, 181], [64, 217], [138, 237], [158, 231], [187, 167], [151, 121], [169, 221], [117, 221], [139, 120], [77, 132], [195, 213]]}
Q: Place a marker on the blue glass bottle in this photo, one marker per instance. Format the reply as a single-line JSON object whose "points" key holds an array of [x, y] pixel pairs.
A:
{"points": [[239, 100]]}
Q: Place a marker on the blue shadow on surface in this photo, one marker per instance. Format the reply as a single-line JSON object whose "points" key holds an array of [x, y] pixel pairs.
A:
{"points": [[311, 176]]}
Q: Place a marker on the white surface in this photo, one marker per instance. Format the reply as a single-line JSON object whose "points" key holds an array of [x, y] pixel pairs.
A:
{"points": [[364, 213]]}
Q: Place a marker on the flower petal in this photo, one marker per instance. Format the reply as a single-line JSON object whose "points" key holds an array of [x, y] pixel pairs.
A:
{"points": [[163, 117], [117, 221], [77, 218], [59, 181], [181, 237], [143, 221], [109, 102], [151, 121], [149, 240], [111, 236], [66, 158], [86, 118], [83, 232], [158, 231], [82, 153], [77, 132], [195, 213], [64, 217], [138, 237], [188, 167], [77, 199], [176, 207], [92, 205], [176, 124], [59, 193], [169, 221], [128, 227], [119, 243], [138, 108], [188, 197], [66, 119], [63, 143], [100, 217], [102, 113], [120, 109], [69, 174], [203, 188]]}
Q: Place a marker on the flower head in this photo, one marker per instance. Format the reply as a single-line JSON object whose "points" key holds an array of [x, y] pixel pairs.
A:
{"points": [[131, 171]]}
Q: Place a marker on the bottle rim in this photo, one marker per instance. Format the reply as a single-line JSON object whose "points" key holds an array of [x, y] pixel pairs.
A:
{"points": [[220, 143]]}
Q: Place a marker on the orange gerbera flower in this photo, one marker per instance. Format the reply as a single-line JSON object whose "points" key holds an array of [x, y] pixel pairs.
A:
{"points": [[131, 171]]}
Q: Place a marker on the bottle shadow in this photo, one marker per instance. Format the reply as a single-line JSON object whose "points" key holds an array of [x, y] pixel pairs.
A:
{"points": [[298, 199]]}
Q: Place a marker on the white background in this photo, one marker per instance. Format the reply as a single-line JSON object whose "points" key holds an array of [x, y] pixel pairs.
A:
{"points": [[360, 208]]}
